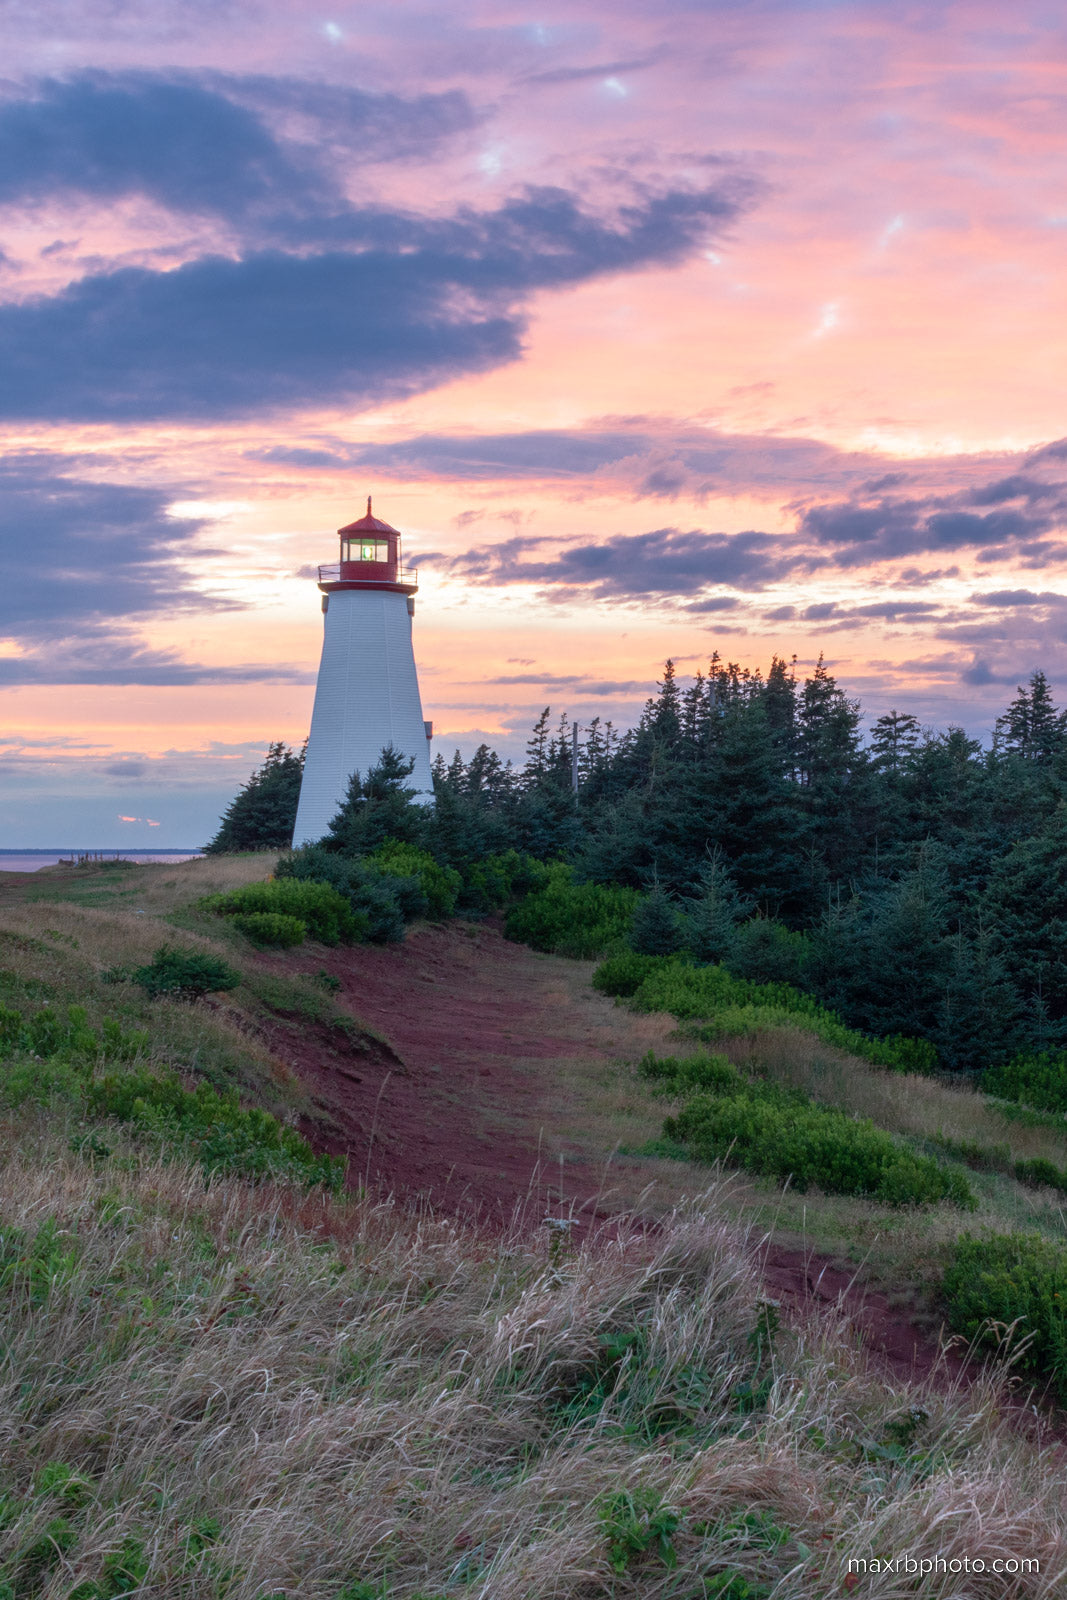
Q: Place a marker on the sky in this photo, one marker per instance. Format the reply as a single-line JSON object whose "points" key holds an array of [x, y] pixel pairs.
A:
{"points": [[657, 329]]}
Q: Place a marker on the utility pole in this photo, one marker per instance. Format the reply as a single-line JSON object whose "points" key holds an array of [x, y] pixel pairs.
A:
{"points": [[574, 757]]}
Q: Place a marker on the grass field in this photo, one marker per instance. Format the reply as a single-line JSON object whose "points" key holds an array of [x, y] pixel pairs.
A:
{"points": [[219, 1388]]}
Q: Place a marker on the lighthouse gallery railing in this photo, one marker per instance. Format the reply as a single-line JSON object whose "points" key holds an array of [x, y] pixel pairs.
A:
{"points": [[332, 574]]}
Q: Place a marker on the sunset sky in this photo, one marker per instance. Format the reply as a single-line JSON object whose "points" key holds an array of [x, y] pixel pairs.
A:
{"points": [[656, 329]]}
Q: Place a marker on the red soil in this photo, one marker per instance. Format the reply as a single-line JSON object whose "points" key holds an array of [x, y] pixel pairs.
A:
{"points": [[449, 1107]]}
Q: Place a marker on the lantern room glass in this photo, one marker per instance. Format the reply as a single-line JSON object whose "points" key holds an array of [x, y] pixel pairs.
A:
{"points": [[376, 550]]}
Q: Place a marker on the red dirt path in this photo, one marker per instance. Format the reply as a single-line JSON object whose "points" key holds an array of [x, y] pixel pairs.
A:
{"points": [[449, 1109]]}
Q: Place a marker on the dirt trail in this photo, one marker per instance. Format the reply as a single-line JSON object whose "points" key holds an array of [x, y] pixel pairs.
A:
{"points": [[453, 1111], [451, 1108]]}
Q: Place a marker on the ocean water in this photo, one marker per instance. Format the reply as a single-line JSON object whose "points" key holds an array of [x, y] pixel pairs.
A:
{"points": [[33, 860]]}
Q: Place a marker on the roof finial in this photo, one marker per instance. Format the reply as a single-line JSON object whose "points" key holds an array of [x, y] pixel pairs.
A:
{"points": [[368, 505]]}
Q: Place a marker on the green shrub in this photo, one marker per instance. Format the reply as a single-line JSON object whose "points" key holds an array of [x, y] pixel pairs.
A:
{"points": [[325, 913], [731, 1007], [768, 952], [494, 880], [623, 975], [440, 885], [271, 928], [1038, 1079], [573, 919], [781, 1133], [636, 1521], [63, 1033], [378, 902], [1040, 1174], [185, 974], [681, 1077], [1013, 1278], [216, 1129]]}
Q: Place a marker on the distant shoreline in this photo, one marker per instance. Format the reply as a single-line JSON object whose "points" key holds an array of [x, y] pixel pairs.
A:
{"points": [[33, 860]]}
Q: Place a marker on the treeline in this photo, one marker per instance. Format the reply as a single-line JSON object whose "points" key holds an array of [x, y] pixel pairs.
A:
{"points": [[913, 881]]}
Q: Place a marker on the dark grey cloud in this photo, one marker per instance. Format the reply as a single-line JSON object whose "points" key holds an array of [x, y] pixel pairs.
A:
{"points": [[666, 562], [656, 461], [1024, 511], [1014, 597], [72, 549], [549, 680], [320, 297], [220, 337], [206, 145], [81, 565], [718, 602]]}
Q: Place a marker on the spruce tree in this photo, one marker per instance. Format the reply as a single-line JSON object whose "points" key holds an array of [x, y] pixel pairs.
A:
{"points": [[377, 807], [655, 929], [712, 917], [262, 814]]}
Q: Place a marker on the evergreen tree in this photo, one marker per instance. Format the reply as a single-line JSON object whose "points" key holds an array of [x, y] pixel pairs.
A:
{"points": [[1031, 727], [749, 808], [1026, 909], [656, 929], [981, 1018], [908, 955], [377, 807], [780, 705], [893, 738], [537, 750], [832, 769], [711, 919], [262, 814]]}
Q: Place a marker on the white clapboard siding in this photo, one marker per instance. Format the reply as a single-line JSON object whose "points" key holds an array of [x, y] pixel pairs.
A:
{"points": [[367, 696]]}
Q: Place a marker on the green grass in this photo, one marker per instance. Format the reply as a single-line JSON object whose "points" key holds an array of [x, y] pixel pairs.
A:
{"points": [[781, 1133], [223, 1384], [731, 1007]]}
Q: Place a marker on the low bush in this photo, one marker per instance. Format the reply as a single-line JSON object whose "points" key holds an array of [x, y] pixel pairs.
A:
{"points": [[1040, 1174], [325, 913], [768, 952], [439, 885], [623, 975], [214, 1128], [379, 902], [781, 1133], [271, 928], [492, 881], [730, 1007], [63, 1033], [580, 920], [1038, 1080], [689, 1074], [1013, 1279], [184, 974]]}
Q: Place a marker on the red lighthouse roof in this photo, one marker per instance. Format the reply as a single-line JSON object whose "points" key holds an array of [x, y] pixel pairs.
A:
{"points": [[368, 524], [370, 559]]}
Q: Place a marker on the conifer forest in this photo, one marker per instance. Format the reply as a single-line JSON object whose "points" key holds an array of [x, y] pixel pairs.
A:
{"points": [[912, 880]]}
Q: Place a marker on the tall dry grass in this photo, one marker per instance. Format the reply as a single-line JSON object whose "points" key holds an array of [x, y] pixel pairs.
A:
{"points": [[270, 1394]]}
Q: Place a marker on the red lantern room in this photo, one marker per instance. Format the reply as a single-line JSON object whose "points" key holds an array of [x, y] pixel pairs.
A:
{"points": [[370, 559]]}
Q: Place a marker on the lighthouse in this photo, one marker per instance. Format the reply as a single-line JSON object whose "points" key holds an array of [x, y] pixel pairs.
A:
{"points": [[367, 694]]}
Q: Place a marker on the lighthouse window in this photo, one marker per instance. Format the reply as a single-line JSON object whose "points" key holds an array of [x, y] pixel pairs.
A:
{"points": [[366, 550]]}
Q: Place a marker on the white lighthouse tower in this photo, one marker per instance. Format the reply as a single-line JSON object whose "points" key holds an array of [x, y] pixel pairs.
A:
{"points": [[367, 695]]}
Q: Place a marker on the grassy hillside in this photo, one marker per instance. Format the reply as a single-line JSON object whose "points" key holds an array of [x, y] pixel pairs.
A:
{"points": [[249, 1387]]}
